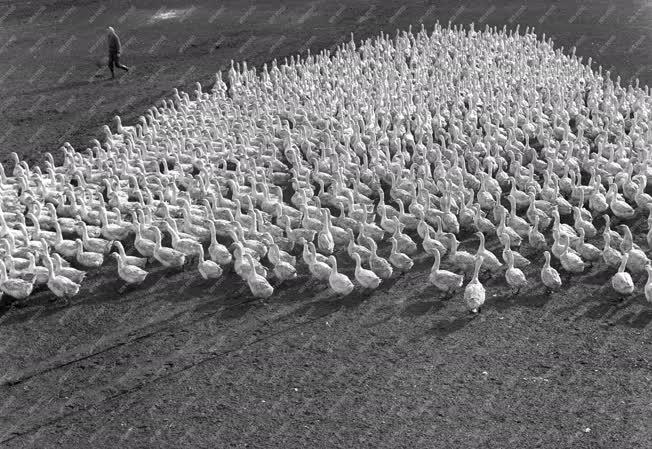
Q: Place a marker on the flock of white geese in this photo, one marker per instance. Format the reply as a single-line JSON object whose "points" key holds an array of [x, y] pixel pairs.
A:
{"points": [[374, 153]]}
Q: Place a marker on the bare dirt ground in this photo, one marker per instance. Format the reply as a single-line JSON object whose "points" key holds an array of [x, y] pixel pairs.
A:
{"points": [[182, 363]]}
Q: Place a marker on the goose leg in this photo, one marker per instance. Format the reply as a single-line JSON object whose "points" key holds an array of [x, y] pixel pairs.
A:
{"points": [[475, 312]]}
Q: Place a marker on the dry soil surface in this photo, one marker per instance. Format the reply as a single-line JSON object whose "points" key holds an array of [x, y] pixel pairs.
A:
{"points": [[182, 363]]}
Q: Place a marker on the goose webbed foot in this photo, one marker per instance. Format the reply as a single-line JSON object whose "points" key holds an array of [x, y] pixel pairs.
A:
{"points": [[475, 312]]}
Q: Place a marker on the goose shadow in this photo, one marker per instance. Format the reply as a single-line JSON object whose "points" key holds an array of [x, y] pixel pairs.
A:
{"points": [[331, 304], [328, 303], [421, 308], [6, 304], [535, 299], [161, 284], [610, 304], [597, 277], [603, 303], [40, 305], [447, 326], [640, 320]]}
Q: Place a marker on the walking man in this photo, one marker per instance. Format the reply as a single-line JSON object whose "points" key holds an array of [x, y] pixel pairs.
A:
{"points": [[114, 52]]}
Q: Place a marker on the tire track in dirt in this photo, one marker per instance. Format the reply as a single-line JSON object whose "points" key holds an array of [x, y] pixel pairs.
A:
{"points": [[113, 341], [129, 335], [185, 355], [112, 383], [159, 282]]}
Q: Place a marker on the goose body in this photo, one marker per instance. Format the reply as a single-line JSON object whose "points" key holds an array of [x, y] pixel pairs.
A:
{"points": [[518, 260], [168, 257], [75, 275], [380, 266], [366, 278], [431, 245], [549, 276], [610, 255], [207, 268], [622, 281], [474, 292], [570, 260], [218, 252], [648, 285], [463, 260], [258, 285], [284, 271], [92, 244], [444, 280], [40, 273], [489, 259], [130, 260], [86, 258], [585, 250], [144, 245], [60, 286], [187, 246], [16, 287], [399, 260], [131, 274], [514, 276], [319, 269], [338, 282]]}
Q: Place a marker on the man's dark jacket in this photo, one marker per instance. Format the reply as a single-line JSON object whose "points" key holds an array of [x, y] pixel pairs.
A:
{"points": [[114, 44]]}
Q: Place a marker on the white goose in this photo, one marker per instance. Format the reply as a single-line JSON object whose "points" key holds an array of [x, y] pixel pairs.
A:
{"points": [[207, 268], [490, 260], [15, 287], [444, 280], [380, 266], [514, 276], [366, 278], [474, 292], [338, 282], [549, 276], [131, 274], [130, 260], [258, 284], [61, 286], [622, 281]]}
